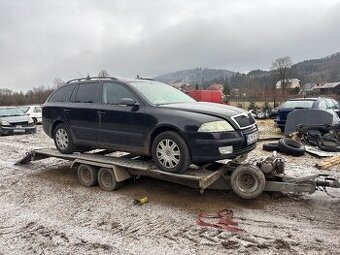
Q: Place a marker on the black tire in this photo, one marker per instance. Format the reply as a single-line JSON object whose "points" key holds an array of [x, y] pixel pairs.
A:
{"points": [[282, 129], [107, 179], [180, 152], [291, 147], [35, 121], [87, 175], [271, 147], [65, 148], [247, 181]]}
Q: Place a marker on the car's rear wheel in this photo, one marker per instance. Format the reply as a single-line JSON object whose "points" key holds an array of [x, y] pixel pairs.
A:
{"points": [[170, 152], [63, 139]]}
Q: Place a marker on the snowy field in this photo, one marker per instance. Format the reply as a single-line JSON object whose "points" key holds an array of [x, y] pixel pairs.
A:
{"points": [[44, 210]]}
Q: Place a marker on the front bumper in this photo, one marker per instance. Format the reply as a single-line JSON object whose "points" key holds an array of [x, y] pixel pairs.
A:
{"points": [[204, 147], [8, 130]]}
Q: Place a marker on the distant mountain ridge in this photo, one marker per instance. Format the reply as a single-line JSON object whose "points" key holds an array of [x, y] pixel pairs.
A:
{"points": [[195, 76]]}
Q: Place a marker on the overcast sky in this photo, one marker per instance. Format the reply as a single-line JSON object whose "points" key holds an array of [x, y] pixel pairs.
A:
{"points": [[41, 39]]}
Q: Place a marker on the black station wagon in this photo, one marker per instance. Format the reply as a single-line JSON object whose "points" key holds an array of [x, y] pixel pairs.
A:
{"points": [[148, 118]]}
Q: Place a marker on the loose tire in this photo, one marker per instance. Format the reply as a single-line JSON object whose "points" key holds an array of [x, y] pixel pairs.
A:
{"points": [[107, 179], [87, 175], [291, 147], [247, 181], [270, 147], [63, 139], [170, 152]]}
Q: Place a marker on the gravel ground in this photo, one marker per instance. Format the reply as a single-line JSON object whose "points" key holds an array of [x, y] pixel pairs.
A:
{"points": [[44, 210]]}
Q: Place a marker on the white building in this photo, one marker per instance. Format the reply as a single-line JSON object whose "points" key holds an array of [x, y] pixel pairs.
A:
{"points": [[291, 84]]}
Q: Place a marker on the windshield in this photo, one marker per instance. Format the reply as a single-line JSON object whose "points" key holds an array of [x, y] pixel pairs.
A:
{"points": [[299, 104], [24, 109], [6, 112], [159, 93]]}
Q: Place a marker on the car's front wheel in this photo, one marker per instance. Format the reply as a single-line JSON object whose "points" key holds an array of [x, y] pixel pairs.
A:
{"points": [[170, 152], [63, 139]]}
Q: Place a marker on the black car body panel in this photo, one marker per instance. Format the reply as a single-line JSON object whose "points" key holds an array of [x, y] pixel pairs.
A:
{"points": [[132, 128]]}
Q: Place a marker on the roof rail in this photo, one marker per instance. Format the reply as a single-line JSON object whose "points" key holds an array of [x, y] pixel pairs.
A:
{"points": [[88, 78], [138, 77]]}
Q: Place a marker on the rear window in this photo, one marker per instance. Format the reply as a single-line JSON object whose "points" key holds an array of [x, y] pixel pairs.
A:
{"points": [[62, 94], [299, 104], [87, 93]]}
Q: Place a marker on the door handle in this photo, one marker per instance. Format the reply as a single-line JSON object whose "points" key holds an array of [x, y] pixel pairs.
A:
{"points": [[66, 110], [100, 112]]}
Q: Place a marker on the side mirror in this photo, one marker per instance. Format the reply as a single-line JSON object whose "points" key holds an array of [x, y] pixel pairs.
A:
{"points": [[128, 102]]}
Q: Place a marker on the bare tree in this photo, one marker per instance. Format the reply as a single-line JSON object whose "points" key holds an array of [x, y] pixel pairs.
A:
{"points": [[58, 82], [282, 67], [103, 74]]}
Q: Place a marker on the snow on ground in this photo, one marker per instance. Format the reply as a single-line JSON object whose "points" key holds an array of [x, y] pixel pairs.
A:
{"points": [[44, 210]]}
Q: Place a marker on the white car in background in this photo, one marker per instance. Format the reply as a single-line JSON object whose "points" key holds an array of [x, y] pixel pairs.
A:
{"points": [[34, 111]]}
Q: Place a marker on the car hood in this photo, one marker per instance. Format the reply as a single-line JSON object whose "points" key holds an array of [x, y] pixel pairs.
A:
{"points": [[14, 119], [213, 109]]}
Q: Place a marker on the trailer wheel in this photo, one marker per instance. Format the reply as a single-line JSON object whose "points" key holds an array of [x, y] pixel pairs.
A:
{"points": [[87, 175], [107, 179], [247, 181]]}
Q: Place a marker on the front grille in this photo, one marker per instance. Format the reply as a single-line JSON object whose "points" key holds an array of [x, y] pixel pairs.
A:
{"points": [[22, 123], [244, 120]]}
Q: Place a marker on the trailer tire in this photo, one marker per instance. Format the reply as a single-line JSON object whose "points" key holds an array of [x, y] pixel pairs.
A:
{"points": [[291, 147], [270, 147], [87, 175], [107, 179], [178, 150], [247, 181]]}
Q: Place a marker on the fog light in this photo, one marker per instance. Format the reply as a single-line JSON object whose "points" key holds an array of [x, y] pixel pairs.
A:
{"points": [[226, 149]]}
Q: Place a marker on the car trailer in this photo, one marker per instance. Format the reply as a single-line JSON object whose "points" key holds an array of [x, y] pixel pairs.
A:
{"points": [[247, 179]]}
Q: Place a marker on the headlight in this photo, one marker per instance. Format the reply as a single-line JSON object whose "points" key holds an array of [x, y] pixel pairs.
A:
{"points": [[30, 121], [5, 123], [216, 126]]}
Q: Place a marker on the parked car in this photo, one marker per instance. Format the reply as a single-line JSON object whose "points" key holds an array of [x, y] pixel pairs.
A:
{"points": [[34, 111], [275, 111], [146, 118], [14, 120], [323, 103]]}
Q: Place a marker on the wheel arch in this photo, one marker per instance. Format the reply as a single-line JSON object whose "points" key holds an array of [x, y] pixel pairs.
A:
{"points": [[160, 129], [54, 125]]}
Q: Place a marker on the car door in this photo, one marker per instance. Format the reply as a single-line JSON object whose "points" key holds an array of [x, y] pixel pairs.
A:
{"points": [[121, 126], [82, 115]]}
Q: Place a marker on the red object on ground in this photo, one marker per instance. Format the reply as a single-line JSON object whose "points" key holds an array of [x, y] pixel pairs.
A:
{"points": [[223, 220], [213, 96]]}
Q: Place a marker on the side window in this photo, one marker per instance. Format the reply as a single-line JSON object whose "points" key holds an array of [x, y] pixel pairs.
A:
{"points": [[331, 104], [62, 94], [37, 109], [87, 93], [113, 93], [322, 105]]}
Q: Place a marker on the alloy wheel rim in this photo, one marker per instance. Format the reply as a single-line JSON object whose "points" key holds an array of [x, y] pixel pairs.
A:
{"points": [[168, 153], [61, 138]]}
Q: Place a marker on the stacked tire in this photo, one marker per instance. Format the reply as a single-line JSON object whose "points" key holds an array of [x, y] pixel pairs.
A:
{"points": [[287, 146]]}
